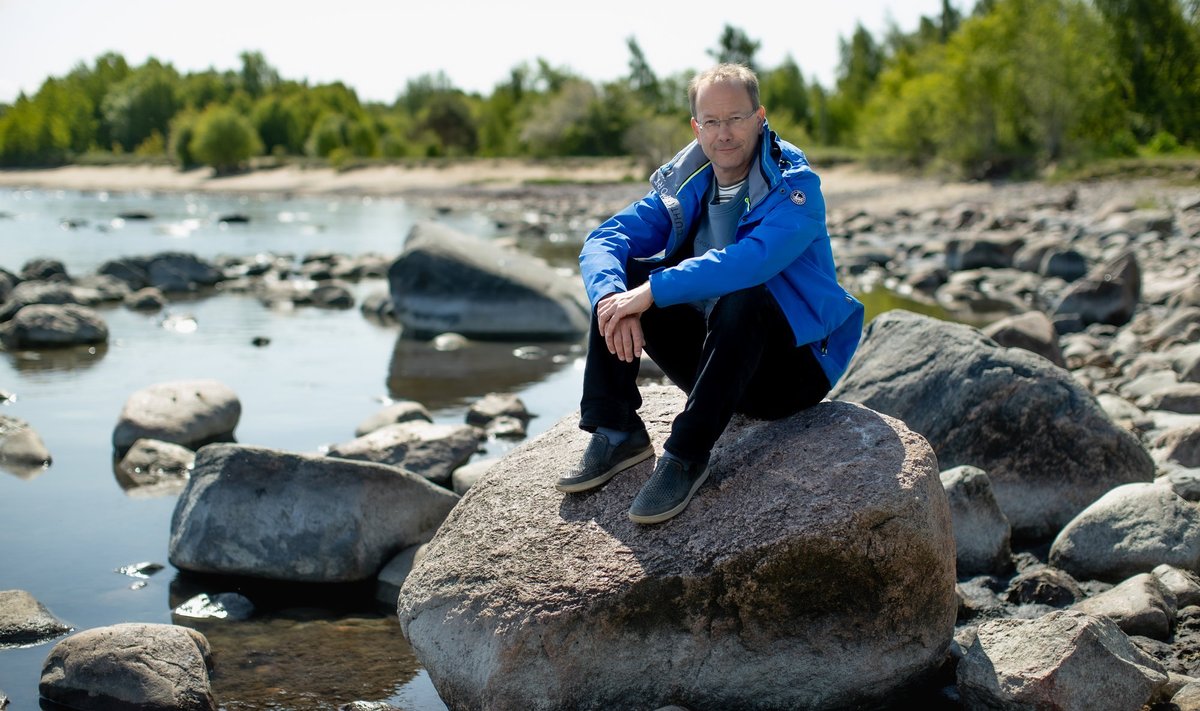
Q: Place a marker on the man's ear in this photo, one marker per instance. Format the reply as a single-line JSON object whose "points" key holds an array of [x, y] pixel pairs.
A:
{"points": [[695, 129]]}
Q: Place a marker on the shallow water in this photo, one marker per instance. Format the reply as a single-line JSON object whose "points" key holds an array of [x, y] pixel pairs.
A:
{"points": [[65, 531]]}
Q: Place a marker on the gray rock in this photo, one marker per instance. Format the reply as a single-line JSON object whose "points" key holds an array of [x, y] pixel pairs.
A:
{"points": [[1131, 529], [1047, 447], [391, 578], [153, 463], [1185, 481], [1043, 585], [22, 451], [1032, 331], [978, 598], [1108, 294], [180, 272], [1063, 660], [1188, 697], [529, 599], [186, 412], [44, 269], [1179, 445], [430, 450], [332, 295], [28, 293], [146, 299], [130, 270], [465, 476], [1183, 584], [1141, 605], [448, 281], [269, 514], [1124, 413], [1180, 397], [493, 405], [149, 667], [1186, 362], [976, 253], [25, 621], [981, 532], [53, 326], [397, 412]]}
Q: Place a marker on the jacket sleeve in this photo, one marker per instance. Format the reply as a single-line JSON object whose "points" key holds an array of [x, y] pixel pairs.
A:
{"points": [[639, 231], [778, 239]]}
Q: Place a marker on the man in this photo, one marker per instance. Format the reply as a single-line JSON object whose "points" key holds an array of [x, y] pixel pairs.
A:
{"points": [[724, 274]]}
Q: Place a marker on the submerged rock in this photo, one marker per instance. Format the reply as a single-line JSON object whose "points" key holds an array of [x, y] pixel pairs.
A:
{"points": [[24, 620], [814, 569]]}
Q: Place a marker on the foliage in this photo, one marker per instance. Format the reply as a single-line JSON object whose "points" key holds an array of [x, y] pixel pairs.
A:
{"points": [[1012, 86], [141, 104], [223, 139]]}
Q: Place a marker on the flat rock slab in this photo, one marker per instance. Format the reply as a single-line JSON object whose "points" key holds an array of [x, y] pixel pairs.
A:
{"points": [[815, 568], [24, 620]]}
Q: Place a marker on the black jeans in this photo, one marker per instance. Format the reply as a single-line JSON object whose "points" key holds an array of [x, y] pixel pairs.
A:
{"points": [[742, 359]]}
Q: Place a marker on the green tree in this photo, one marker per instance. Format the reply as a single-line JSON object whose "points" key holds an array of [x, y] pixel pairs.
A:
{"points": [[279, 124], [30, 136], [735, 46], [95, 82], [224, 139], [142, 103], [329, 133], [257, 77], [642, 79], [785, 95], [448, 117], [1161, 48]]}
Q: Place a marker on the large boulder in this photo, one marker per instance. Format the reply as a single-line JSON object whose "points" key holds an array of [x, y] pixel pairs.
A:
{"points": [[1132, 529], [448, 281], [1047, 447], [265, 513], [149, 667], [814, 569], [1062, 660], [187, 412]]}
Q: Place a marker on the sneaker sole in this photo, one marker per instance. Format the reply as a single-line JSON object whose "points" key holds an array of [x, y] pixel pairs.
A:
{"points": [[612, 471], [671, 513]]}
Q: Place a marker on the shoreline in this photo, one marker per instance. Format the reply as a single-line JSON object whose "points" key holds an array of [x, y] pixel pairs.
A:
{"points": [[600, 185], [619, 178]]}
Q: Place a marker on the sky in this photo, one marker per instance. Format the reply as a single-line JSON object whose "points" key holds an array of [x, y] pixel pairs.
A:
{"points": [[376, 47]]}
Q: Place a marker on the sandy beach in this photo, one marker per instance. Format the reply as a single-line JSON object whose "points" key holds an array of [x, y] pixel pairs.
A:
{"points": [[844, 184]]}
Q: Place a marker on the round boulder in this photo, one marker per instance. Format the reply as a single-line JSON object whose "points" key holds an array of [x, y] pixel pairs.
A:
{"points": [[150, 667], [186, 412], [814, 569]]}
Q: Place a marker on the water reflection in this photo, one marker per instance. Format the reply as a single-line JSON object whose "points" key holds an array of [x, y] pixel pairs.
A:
{"points": [[330, 645], [441, 379], [72, 358]]}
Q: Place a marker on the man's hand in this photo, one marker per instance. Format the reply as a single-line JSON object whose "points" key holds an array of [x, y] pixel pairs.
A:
{"points": [[618, 317]]}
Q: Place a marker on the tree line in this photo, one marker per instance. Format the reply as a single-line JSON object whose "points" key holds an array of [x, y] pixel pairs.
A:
{"points": [[1014, 86]]}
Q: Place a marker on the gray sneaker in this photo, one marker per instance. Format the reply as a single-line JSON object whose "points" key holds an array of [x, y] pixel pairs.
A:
{"points": [[668, 490], [601, 461]]}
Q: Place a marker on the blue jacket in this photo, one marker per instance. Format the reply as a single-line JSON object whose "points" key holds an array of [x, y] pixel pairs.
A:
{"points": [[781, 241]]}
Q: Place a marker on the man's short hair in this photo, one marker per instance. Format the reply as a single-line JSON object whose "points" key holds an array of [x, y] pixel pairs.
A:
{"points": [[738, 74]]}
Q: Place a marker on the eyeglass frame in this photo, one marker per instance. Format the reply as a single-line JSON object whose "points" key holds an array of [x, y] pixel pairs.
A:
{"points": [[734, 122]]}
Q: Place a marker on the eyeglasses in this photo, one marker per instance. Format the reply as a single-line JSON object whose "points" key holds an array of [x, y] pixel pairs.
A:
{"points": [[733, 122]]}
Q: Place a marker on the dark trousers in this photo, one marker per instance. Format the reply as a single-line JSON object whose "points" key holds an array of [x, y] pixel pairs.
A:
{"points": [[741, 359]]}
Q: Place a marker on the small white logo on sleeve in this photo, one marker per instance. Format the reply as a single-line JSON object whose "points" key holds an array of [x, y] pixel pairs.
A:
{"points": [[798, 197]]}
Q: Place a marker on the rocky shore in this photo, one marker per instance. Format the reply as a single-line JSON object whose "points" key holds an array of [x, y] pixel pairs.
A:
{"points": [[998, 508]]}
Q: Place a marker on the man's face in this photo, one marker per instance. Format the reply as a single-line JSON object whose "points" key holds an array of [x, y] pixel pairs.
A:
{"points": [[730, 148]]}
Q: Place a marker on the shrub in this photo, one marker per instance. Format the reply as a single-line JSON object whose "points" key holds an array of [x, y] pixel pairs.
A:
{"points": [[224, 139]]}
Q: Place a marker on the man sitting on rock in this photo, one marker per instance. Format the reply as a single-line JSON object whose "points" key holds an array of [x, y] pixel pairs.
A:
{"points": [[724, 274]]}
